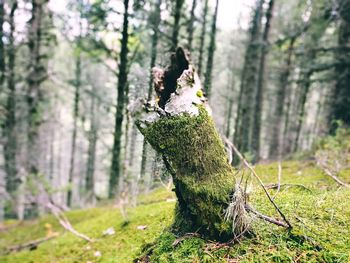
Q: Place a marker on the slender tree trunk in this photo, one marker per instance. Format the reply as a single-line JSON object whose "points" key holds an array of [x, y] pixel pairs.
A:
{"points": [[304, 92], [77, 86], [244, 119], [340, 107], [193, 153], [176, 27], [190, 27], [9, 128], [202, 37], [2, 50], [90, 169], [211, 51], [39, 38], [276, 144], [122, 82], [155, 26], [256, 129], [230, 107]]}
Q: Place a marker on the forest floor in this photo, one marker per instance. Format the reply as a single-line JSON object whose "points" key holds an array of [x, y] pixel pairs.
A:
{"points": [[319, 210]]}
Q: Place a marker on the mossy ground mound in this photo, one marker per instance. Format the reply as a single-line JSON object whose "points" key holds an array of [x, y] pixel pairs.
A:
{"points": [[320, 217]]}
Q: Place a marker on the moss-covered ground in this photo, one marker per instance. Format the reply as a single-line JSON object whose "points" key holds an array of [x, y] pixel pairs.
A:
{"points": [[320, 215]]}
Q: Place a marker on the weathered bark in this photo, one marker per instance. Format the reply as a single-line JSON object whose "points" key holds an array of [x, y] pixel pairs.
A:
{"points": [[183, 132], [77, 84], [119, 116], [190, 27], [259, 99], [276, 143], [244, 119], [202, 37], [211, 51], [176, 26], [340, 107]]}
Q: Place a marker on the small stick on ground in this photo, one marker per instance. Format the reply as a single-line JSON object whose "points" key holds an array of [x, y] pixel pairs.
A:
{"points": [[29, 245], [335, 178], [275, 186], [278, 179], [266, 218], [187, 235], [245, 162]]}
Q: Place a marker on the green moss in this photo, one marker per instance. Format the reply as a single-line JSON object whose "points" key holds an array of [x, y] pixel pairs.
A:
{"points": [[204, 179], [199, 93], [321, 215]]}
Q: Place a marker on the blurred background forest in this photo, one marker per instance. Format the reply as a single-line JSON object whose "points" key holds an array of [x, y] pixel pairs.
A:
{"points": [[276, 73]]}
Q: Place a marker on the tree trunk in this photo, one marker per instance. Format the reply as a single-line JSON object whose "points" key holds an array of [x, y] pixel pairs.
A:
{"points": [[340, 107], [9, 128], [211, 51], [38, 50], [202, 37], [230, 107], [77, 85], [304, 92], [119, 116], [256, 129], [39, 39], [183, 132], [276, 143], [90, 169], [244, 119], [190, 27], [155, 25], [2, 50], [176, 26]]}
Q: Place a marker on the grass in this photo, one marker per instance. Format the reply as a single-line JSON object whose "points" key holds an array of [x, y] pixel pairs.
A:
{"points": [[321, 233]]}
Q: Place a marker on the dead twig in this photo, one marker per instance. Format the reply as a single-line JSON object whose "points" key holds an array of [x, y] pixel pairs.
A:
{"points": [[182, 238], [278, 180], [275, 186], [245, 162], [64, 222], [331, 163], [31, 245], [265, 217], [335, 178]]}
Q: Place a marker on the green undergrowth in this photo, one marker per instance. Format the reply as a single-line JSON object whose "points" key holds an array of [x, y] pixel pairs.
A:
{"points": [[318, 209]]}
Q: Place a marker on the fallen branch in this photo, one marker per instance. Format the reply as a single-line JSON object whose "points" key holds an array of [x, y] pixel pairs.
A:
{"points": [[335, 178], [266, 218], [245, 162], [182, 238], [275, 186], [64, 222], [326, 160], [29, 245]]}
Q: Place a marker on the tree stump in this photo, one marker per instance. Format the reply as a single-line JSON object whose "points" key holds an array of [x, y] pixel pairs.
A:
{"points": [[180, 127]]}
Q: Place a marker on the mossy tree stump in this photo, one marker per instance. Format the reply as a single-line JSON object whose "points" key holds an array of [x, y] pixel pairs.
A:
{"points": [[179, 126]]}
